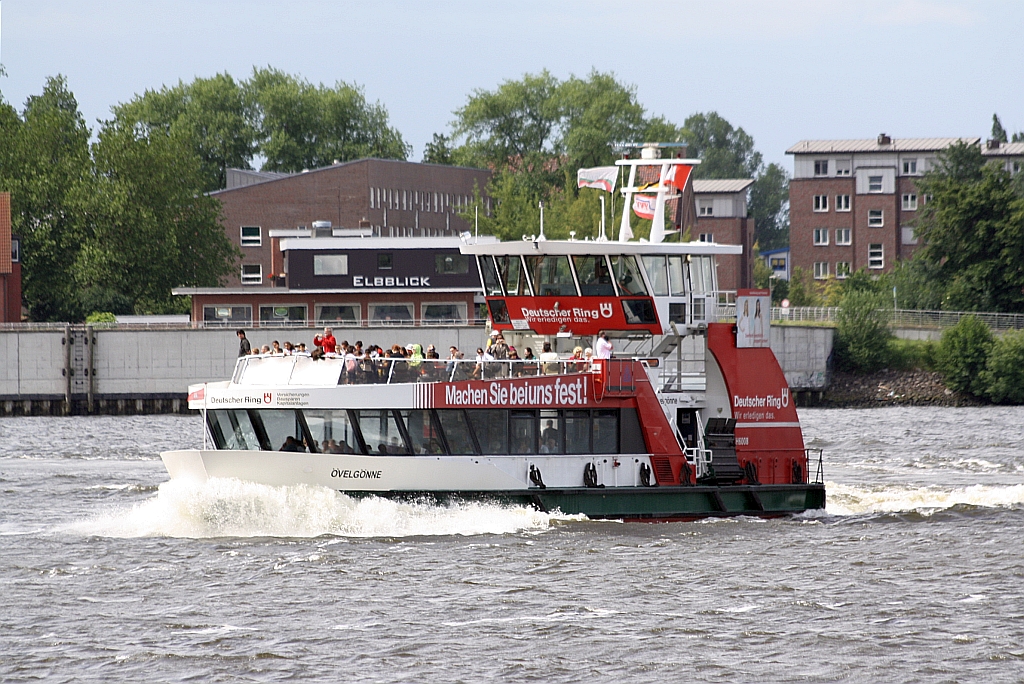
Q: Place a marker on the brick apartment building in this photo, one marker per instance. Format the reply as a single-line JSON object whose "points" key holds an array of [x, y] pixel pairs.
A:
{"points": [[721, 211], [852, 203], [393, 198], [10, 265]]}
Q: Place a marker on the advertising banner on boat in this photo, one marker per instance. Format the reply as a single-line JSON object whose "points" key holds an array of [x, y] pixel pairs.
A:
{"points": [[580, 315], [753, 316], [562, 391]]}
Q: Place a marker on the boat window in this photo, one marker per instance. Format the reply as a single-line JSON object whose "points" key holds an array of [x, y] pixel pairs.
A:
{"points": [[677, 312], [676, 276], [282, 428], [707, 264], [332, 430], [627, 275], [656, 274], [639, 311], [456, 431], [696, 276], [551, 433], [551, 276], [595, 277], [577, 432], [606, 432], [380, 433], [631, 436], [390, 314], [499, 311], [524, 432], [232, 429], [492, 286], [510, 270], [424, 437], [491, 428]]}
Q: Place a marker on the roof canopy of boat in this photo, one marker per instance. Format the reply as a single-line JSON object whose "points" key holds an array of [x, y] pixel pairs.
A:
{"points": [[572, 247]]}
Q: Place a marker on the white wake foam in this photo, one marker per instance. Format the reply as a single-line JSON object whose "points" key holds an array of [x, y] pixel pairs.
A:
{"points": [[851, 500], [232, 508]]}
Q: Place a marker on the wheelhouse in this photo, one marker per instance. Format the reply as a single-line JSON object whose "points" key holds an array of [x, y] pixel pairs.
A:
{"points": [[583, 287]]}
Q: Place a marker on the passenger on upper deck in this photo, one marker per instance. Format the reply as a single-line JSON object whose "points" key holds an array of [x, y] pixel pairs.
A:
{"points": [[244, 348], [326, 341], [603, 348]]}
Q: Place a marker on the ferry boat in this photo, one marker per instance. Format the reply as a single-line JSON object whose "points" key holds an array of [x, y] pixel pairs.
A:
{"points": [[691, 417]]}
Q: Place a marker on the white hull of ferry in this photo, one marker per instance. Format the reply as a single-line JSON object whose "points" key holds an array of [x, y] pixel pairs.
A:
{"points": [[362, 473]]}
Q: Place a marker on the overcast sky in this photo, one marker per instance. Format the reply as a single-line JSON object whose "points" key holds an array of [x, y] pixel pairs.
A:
{"points": [[784, 71]]}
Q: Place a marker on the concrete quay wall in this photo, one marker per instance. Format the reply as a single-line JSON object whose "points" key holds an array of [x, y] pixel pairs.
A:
{"points": [[83, 370]]}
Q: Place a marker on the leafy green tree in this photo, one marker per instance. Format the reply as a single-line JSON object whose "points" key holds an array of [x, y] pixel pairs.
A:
{"points": [[802, 291], [862, 336], [727, 152], [998, 132], [213, 116], [46, 167], [973, 230], [303, 126], [151, 230], [963, 355], [917, 283], [438, 151], [1003, 376]]}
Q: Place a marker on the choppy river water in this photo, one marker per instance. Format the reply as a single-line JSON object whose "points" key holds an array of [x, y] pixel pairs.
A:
{"points": [[913, 574]]}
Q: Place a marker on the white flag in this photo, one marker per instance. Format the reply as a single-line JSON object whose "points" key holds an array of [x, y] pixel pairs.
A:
{"points": [[600, 177]]}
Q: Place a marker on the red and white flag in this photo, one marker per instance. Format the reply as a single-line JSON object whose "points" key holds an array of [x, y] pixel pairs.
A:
{"points": [[643, 206], [600, 177], [678, 175]]}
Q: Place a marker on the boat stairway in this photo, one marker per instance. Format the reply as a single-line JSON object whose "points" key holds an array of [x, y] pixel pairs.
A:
{"points": [[720, 437]]}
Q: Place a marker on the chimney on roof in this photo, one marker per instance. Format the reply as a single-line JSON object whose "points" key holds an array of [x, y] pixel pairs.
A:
{"points": [[993, 144], [884, 139], [364, 223]]}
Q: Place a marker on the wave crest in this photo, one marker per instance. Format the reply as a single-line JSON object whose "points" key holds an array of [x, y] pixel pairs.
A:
{"points": [[851, 500], [233, 508]]}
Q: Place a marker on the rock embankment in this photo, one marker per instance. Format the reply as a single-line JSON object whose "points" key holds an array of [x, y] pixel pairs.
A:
{"points": [[892, 388]]}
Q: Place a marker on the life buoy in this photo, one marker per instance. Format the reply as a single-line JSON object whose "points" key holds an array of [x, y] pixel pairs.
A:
{"points": [[645, 475], [590, 476]]}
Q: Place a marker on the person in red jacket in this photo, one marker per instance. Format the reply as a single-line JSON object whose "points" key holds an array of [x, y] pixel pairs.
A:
{"points": [[327, 341]]}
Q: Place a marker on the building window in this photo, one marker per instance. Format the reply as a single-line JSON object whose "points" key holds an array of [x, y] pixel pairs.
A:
{"points": [[390, 314], [330, 264], [876, 218], [345, 314], [451, 264], [874, 184], [1016, 168], [843, 167], [443, 313], [227, 313], [282, 313], [842, 269], [909, 167], [876, 256], [821, 203], [842, 236], [821, 167], [909, 202], [15, 250], [384, 261], [252, 236], [706, 208], [777, 263], [842, 203], [908, 237], [820, 270], [706, 237], [252, 274], [821, 236]]}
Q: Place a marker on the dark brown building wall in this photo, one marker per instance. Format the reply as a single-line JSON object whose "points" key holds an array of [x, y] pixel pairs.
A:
{"points": [[734, 271], [341, 194]]}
